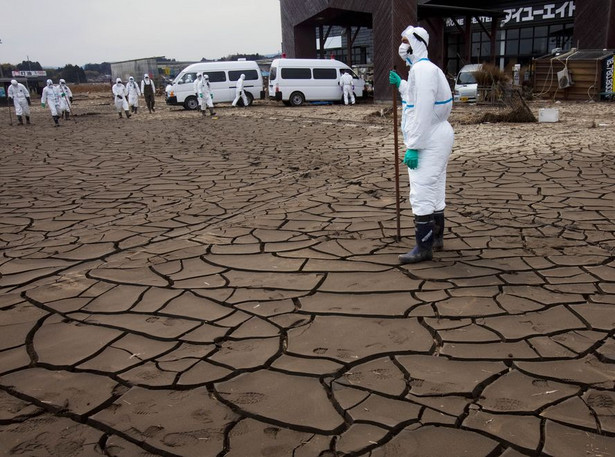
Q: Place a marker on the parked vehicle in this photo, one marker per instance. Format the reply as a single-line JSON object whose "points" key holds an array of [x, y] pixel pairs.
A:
{"points": [[466, 88], [296, 81], [222, 77]]}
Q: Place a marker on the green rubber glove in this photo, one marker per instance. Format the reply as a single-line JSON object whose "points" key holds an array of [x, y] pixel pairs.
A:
{"points": [[411, 159], [43, 105], [394, 79]]}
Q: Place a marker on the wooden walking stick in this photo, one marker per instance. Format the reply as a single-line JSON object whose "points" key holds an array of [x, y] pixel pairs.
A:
{"points": [[396, 142]]}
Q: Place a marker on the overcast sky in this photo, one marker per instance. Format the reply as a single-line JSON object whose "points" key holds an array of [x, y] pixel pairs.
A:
{"points": [[56, 33]]}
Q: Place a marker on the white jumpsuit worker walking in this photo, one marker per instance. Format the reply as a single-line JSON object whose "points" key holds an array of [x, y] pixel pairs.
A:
{"points": [[133, 94], [347, 87], [119, 97], [20, 96], [51, 97], [240, 92], [428, 137], [204, 94], [148, 89], [66, 99]]}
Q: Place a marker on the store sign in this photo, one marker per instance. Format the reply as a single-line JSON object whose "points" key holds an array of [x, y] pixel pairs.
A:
{"points": [[29, 73], [607, 78], [525, 14], [539, 13]]}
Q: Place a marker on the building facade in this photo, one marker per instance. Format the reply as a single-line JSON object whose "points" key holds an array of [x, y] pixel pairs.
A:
{"points": [[504, 32]]}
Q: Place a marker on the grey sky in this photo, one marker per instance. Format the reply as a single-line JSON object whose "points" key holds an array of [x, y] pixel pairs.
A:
{"points": [[56, 33]]}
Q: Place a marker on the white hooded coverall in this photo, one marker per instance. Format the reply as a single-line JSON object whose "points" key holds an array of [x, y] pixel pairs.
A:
{"points": [[426, 128], [203, 92], [51, 97], [347, 83], [119, 96], [240, 92], [65, 95], [133, 92], [20, 95]]}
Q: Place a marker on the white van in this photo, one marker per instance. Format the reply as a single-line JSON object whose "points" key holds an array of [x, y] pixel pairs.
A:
{"points": [[295, 81], [223, 77], [466, 88]]}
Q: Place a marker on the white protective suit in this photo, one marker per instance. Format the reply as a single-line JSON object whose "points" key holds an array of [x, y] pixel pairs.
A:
{"points": [[66, 96], [240, 92], [51, 97], [20, 95], [347, 87], [425, 126], [119, 96], [133, 93], [204, 94]]}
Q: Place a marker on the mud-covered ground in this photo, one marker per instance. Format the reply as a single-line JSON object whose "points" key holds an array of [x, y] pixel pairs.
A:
{"points": [[174, 285]]}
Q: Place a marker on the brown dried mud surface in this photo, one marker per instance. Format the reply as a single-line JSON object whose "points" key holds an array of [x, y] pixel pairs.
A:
{"points": [[174, 285]]}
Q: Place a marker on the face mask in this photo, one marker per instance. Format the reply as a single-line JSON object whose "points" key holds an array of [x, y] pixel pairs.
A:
{"points": [[405, 51]]}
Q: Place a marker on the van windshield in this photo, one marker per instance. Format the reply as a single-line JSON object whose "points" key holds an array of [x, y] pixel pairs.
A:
{"points": [[466, 78], [184, 78]]}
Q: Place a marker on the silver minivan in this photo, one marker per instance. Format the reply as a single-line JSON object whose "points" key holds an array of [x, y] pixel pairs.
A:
{"points": [[466, 87]]}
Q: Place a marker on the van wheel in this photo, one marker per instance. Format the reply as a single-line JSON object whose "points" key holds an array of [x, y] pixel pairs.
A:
{"points": [[191, 103], [296, 99], [250, 98]]}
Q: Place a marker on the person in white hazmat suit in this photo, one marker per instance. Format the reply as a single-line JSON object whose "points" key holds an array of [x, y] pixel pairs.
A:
{"points": [[428, 137], [133, 94], [20, 96], [347, 88], [205, 95], [51, 96], [66, 99], [240, 92], [148, 89], [119, 97]]}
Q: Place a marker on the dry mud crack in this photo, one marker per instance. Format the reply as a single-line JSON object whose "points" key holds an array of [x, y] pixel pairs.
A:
{"points": [[179, 286]]}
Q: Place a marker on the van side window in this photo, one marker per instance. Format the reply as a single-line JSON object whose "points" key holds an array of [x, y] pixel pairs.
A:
{"points": [[325, 73], [216, 76], [296, 73], [251, 75], [273, 74]]}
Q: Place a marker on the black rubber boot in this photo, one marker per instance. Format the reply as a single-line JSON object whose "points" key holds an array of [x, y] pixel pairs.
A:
{"points": [[27, 119], [438, 231], [66, 115], [423, 229], [136, 108], [212, 112], [19, 120], [127, 115], [120, 115], [55, 119]]}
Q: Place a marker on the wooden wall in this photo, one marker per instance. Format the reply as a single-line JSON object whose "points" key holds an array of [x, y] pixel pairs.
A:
{"points": [[586, 75]]}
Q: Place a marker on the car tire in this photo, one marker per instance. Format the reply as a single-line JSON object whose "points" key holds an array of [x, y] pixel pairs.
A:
{"points": [[296, 99], [191, 103], [250, 98]]}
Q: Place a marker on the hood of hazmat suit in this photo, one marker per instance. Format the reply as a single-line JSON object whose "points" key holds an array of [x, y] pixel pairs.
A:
{"points": [[14, 82], [49, 82]]}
